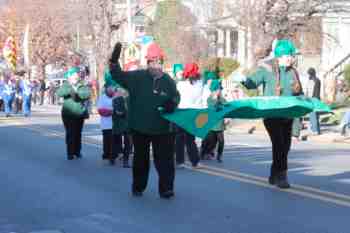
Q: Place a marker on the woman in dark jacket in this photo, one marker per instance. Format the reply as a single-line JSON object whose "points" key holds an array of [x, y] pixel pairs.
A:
{"points": [[74, 110]]}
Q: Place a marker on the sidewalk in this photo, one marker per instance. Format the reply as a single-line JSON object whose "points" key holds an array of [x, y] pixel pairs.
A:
{"points": [[329, 134]]}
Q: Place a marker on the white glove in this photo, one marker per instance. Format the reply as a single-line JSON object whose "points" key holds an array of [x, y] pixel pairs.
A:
{"points": [[238, 77]]}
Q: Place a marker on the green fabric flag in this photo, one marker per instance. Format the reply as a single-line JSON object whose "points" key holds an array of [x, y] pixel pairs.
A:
{"points": [[199, 122]]}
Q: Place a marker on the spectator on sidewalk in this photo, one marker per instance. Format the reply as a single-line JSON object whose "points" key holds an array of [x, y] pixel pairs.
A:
{"points": [[18, 101], [313, 90], [36, 90], [74, 110], [2, 108], [42, 91]]}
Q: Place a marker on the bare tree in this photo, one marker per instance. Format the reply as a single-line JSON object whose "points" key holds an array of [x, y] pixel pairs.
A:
{"points": [[267, 20], [50, 38], [175, 29]]}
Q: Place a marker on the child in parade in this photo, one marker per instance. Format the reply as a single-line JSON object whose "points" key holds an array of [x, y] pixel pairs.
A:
{"points": [[215, 137], [278, 78], [191, 92], [105, 110], [74, 110], [151, 91], [121, 126], [178, 71]]}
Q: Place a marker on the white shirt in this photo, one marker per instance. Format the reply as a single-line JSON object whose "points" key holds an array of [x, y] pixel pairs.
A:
{"points": [[105, 102], [191, 94]]}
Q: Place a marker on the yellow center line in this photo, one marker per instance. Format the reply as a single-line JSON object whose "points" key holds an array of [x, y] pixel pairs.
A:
{"points": [[292, 190]]}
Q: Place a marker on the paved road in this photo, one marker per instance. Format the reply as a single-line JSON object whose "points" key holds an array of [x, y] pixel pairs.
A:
{"points": [[42, 192]]}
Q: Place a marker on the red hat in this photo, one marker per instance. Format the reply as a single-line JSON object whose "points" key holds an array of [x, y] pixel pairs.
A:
{"points": [[191, 71], [154, 52]]}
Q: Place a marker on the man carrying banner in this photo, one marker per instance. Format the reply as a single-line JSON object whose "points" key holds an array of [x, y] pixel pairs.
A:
{"points": [[150, 91]]}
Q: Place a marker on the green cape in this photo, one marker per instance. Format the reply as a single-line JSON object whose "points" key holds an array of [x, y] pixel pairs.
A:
{"points": [[199, 122]]}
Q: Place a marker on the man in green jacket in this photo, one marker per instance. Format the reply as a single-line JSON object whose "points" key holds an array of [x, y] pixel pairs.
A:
{"points": [[151, 91], [278, 78], [74, 110]]}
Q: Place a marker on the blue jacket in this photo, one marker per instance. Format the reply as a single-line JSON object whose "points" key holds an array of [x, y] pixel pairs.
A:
{"points": [[26, 87], [9, 88]]}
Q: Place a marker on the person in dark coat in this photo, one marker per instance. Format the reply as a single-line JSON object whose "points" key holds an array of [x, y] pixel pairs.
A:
{"points": [[151, 92], [314, 90]]}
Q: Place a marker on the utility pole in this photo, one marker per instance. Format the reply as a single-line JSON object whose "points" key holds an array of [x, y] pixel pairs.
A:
{"points": [[130, 36]]}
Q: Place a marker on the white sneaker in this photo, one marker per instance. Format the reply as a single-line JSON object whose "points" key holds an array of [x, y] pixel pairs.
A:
{"points": [[180, 166], [198, 166]]}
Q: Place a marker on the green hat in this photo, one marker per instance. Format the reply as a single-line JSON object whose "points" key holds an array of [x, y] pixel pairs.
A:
{"points": [[215, 85], [177, 68], [284, 47], [71, 71], [108, 79], [209, 75]]}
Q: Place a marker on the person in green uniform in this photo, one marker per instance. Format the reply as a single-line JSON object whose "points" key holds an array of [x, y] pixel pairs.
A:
{"points": [[74, 110], [151, 92], [121, 125], [278, 77], [216, 135], [178, 72]]}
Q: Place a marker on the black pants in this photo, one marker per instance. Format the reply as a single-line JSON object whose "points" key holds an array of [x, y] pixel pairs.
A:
{"points": [[163, 154], [42, 97], [185, 139], [122, 145], [73, 129], [18, 105], [2, 108], [211, 140], [280, 132], [110, 142]]}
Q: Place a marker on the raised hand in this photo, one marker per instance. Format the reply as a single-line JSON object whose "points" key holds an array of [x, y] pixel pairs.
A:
{"points": [[116, 53]]}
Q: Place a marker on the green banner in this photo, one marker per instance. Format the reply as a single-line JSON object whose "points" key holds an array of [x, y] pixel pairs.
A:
{"points": [[199, 122]]}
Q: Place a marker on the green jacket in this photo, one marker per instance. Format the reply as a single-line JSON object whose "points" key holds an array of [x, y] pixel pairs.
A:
{"points": [[265, 77], [120, 123], [74, 104], [215, 103], [146, 97]]}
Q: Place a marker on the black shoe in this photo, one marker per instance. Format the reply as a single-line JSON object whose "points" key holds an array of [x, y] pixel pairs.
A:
{"points": [[79, 156], [70, 157], [282, 181], [126, 164], [272, 180], [104, 157], [137, 194], [167, 195], [219, 159], [112, 161]]}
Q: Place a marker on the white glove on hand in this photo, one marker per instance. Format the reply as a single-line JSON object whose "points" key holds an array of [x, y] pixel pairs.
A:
{"points": [[238, 77]]}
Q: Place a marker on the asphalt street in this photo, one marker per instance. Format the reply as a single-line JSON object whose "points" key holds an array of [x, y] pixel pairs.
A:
{"points": [[43, 192]]}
